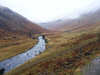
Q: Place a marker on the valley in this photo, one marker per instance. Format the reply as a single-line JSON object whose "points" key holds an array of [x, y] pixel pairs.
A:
{"points": [[66, 54], [65, 48]]}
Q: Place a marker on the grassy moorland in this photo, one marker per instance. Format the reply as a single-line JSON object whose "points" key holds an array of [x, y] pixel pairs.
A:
{"points": [[13, 45], [66, 54]]}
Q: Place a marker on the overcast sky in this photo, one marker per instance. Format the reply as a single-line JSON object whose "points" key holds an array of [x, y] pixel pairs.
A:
{"points": [[48, 10]]}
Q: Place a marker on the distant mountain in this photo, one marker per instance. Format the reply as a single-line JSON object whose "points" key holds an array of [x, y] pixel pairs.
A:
{"points": [[50, 25], [84, 22], [11, 21]]}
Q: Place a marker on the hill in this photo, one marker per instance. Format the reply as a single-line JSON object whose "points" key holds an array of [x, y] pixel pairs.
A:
{"points": [[84, 22], [11, 21], [15, 33]]}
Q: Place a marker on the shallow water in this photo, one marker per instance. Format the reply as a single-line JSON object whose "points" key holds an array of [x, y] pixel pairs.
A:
{"points": [[15, 61]]}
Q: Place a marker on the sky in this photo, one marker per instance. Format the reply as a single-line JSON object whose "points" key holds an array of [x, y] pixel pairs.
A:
{"points": [[48, 10]]}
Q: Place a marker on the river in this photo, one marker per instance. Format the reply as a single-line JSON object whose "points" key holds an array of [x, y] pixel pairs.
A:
{"points": [[17, 60]]}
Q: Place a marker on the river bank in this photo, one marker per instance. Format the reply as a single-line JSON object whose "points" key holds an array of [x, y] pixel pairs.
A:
{"points": [[15, 61]]}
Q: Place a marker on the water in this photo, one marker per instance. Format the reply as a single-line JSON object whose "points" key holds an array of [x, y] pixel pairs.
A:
{"points": [[93, 68], [15, 61]]}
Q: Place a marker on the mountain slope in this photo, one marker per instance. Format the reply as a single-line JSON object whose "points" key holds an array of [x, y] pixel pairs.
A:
{"points": [[13, 22], [84, 22]]}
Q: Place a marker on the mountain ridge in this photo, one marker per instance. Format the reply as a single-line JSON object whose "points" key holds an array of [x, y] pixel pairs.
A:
{"points": [[85, 20], [11, 21]]}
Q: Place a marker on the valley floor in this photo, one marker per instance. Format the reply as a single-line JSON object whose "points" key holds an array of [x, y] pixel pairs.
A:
{"points": [[66, 54], [12, 46]]}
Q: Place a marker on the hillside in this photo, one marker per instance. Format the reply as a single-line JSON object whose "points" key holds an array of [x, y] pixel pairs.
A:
{"points": [[84, 22], [13, 22], [15, 33]]}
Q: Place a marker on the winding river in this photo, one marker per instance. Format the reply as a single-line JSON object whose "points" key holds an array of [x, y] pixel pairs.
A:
{"points": [[16, 61]]}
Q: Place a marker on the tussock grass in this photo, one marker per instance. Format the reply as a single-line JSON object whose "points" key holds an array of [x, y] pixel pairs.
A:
{"points": [[66, 54], [12, 47]]}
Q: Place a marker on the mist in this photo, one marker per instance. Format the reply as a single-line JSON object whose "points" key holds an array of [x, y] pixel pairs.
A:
{"points": [[48, 10]]}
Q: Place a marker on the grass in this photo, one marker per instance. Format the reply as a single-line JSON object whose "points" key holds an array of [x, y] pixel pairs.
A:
{"points": [[66, 54], [12, 46]]}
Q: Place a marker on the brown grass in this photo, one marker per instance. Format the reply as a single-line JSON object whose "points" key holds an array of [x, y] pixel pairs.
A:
{"points": [[12, 47], [63, 55]]}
